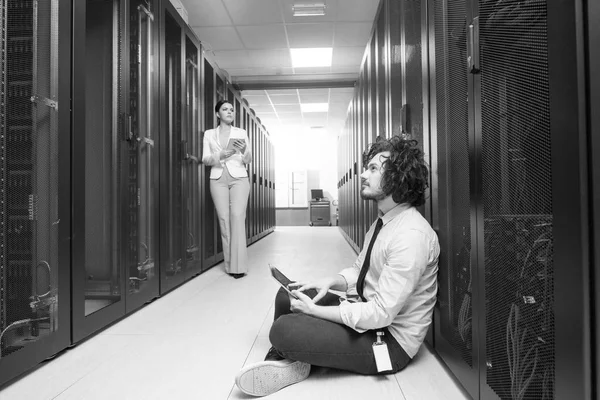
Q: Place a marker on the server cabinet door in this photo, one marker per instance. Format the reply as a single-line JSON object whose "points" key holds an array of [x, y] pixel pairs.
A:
{"points": [[208, 209], [455, 331], [142, 210], [100, 149], [34, 181], [517, 232], [192, 199], [173, 261]]}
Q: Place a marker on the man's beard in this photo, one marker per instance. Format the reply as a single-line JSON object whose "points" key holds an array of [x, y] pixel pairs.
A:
{"points": [[379, 195]]}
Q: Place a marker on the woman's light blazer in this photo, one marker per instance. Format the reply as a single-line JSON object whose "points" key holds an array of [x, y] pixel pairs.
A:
{"points": [[236, 164]]}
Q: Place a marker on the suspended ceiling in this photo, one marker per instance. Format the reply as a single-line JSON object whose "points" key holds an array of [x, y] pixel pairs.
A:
{"points": [[250, 40]]}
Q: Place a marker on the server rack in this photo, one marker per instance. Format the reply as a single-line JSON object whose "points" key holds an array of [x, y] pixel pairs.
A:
{"points": [[173, 254], [192, 158], [593, 37], [132, 77], [524, 244], [213, 92], [34, 185], [142, 250], [506, 104], [99, 175], [208, 208]]}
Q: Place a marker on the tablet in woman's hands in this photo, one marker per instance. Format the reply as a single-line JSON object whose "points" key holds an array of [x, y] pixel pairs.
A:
{"points": [[232, 141]]}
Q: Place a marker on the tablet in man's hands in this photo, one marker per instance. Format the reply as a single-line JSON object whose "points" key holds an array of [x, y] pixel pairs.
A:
{"points": [[285, 283]]}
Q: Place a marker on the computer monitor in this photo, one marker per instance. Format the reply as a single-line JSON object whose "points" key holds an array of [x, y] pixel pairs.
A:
{"points": [[316, 194]]}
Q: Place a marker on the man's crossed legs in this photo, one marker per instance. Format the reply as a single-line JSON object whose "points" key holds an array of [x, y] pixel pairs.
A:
{"points": [[300, 341]]}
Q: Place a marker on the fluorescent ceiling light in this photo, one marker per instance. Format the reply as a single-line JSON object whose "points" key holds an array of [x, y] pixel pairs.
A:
{"points": [[308, 10], [314, 107], [315, 57]]}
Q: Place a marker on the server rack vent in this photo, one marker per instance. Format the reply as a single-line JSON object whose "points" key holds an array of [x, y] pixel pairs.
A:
{"points": [[453, 156], [517, 195]]}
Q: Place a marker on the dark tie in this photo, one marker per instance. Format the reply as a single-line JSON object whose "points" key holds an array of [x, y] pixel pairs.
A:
{"points": [[360, 284]]}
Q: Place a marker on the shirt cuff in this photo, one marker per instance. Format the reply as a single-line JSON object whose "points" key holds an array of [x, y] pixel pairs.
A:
{"points": [[349, 274], [350, 314]]}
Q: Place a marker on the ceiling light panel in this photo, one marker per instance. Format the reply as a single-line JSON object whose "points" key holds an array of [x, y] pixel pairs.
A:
{"points": [[314, 107], [309, 10], [312, 57]]}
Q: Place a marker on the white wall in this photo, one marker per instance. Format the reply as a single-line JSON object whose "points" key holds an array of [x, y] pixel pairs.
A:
{"points": [[311, 151]]}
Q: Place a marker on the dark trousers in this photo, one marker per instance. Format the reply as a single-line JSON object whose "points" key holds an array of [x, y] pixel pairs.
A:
{"points": [[319, 342]]}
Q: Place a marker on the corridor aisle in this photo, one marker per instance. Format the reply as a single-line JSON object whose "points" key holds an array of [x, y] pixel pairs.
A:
{"points": [[190, 343]]}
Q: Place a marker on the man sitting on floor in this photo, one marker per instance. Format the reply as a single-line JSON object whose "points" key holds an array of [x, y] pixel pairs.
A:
{"points": [[395, 278]]}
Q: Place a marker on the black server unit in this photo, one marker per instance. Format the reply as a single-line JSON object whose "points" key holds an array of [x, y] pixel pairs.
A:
{"points": [[220, 94], [451, 188], [173, 259], [101, 153], [34, 183], [593, 35], [510, 197], [142, 177], [193, 230], [208, 208]]}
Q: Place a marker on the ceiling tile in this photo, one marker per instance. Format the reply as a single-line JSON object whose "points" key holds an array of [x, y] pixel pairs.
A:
{"points": [[313, 91], [254, 12], [236, 72], [219, 38], [206, 13], [346, 69], [282, 91], [348, 55], [340, 97], [253, 93], [352, 33], [278, 99], [342, 90], [262, 99], [310, 35], [314, 98], [357, 10], [273, 58], [264, 36], [287, 108], [261, 108], [231, 58]]}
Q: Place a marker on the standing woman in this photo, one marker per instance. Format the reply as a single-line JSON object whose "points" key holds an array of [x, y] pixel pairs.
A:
{"points": [[229, 185]]}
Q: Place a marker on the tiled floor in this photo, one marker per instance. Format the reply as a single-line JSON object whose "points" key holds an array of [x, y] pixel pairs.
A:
{"points": [[190, 343]]}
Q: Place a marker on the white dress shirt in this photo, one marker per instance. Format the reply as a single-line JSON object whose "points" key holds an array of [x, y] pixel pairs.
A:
{"points": [[401, 284], [211, 149]]}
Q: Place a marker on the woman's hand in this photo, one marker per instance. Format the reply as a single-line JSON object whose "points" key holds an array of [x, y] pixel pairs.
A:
{"points": [[240, 145], [226, 153]]}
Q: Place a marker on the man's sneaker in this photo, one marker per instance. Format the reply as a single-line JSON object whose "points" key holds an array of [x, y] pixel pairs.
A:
{"points": [[267, 377], [273, 355]]}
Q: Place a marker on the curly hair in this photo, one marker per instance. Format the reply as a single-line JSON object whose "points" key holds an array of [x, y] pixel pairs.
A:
{"points": [[405, 172]]}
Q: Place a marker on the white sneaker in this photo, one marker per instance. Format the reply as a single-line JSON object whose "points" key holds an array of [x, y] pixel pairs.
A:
{"points": [[267, 377]]}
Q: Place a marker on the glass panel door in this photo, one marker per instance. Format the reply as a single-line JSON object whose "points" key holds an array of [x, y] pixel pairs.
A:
{"points": [[173, 265], [142, 250], [101, 174], [192, 199]]}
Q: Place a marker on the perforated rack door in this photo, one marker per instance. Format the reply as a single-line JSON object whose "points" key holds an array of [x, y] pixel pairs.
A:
{"points": [[517, 199], [454, 221], [28, 173]]}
